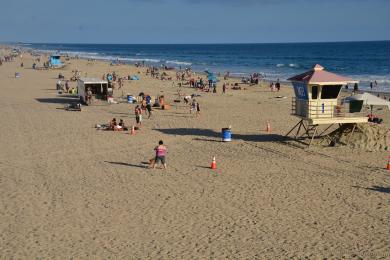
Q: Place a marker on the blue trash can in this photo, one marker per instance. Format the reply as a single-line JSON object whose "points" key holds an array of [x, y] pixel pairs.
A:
{"points": [[130, 99], [226, 134]]}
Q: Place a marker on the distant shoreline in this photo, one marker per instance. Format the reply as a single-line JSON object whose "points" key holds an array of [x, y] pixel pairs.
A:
{"points": [[271, 74]]}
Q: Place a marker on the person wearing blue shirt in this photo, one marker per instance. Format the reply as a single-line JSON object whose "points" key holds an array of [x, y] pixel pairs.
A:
{"points": [[149, 105]]}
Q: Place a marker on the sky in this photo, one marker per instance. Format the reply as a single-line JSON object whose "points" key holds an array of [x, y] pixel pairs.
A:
{"points": [[193, 21]]}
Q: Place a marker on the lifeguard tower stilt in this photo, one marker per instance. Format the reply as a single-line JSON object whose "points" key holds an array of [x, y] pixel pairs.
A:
{"points": [[316, 103]]}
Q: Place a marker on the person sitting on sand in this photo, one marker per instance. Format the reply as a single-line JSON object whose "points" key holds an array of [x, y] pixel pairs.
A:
{"points": [[117, 127], [374, 119], [122, 124], [161, 152], [112, 123]]}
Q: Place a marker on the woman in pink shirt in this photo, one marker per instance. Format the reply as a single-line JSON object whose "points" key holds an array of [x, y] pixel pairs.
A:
{"points": [[161, 152]]}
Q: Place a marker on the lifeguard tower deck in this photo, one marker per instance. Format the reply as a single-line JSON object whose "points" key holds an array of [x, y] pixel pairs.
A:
{"points": [[316, 103]]}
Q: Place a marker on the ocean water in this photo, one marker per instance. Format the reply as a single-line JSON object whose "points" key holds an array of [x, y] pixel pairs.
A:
{"points": [[364, 61]]}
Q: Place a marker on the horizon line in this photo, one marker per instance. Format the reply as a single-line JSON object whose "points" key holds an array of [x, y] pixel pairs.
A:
{"points": [[221, 43]]}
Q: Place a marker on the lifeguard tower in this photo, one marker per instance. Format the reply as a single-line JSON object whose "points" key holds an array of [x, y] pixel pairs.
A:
{"points": [[316, 102], [55, 61]]}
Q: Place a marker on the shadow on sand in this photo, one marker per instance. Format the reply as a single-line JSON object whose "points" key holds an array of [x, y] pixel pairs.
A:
{"points": [[376, 188], [210, 133], [380, 189], [59, 100], [129, 164]]}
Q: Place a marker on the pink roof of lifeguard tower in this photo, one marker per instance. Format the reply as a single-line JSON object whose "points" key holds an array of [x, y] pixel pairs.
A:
{"points": [[318, 75]]}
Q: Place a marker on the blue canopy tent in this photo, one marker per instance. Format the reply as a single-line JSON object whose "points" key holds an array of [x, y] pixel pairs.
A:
{"points": [[211, 77]]}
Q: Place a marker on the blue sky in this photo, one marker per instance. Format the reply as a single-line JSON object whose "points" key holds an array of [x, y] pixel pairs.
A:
{"points": [[193, 21]]}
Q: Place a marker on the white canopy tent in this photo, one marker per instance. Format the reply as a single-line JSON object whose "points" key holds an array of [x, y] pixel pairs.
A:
{"points": [[369, 100]]}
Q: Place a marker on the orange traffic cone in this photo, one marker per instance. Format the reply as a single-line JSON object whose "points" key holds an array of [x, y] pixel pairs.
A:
{"points": [[268, 129], [132, 130], [213, 164], [388, 164]]}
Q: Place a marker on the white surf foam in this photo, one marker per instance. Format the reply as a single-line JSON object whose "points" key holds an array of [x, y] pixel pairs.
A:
{"points": [[178, 62]]}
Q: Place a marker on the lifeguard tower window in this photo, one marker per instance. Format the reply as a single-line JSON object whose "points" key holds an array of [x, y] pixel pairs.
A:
{"points": [[314, 92], [330, 91]]}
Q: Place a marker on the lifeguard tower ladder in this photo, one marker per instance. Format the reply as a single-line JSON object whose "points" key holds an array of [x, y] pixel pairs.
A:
{"points": [[316, 103]]}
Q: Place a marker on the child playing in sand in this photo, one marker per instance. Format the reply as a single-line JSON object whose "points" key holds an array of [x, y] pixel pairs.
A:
{"points": [[161, 152]]}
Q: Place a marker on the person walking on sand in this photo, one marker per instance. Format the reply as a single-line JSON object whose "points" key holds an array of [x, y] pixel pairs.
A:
{"points": [[355, 88], [89, 96], [120, 83], [224, 88], [277, 85], [67, 86], [138, 116], [149, 105], [197, 109], [161, 153], [193, 106], [58, 85], [272, 87]]}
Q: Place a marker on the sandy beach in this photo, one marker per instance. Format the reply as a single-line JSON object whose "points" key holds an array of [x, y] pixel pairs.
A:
{"points": [[70, 191]]}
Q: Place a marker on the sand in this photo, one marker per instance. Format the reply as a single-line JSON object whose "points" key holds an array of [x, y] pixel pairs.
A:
{"points": [[367, 137], [70, 191]]}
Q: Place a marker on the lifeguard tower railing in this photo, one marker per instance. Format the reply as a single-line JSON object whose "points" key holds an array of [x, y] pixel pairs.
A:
{"points": [[316, 109]]}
